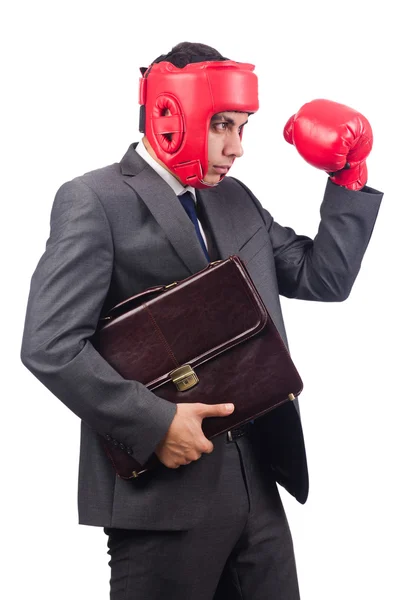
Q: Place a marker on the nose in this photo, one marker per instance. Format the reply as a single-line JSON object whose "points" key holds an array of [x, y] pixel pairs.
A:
{"points": [[233, 146]]}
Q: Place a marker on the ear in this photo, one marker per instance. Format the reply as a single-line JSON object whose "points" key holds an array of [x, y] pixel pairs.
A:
{"points": [[168, 123]]}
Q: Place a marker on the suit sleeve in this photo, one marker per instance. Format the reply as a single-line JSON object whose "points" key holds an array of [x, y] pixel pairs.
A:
{"points": [[67, 292], [325, 268]]}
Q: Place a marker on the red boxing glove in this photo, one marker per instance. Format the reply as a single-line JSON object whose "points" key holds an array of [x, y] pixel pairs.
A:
{"points": [[334, 138]]}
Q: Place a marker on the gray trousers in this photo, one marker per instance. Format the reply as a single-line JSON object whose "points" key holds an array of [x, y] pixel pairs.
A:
{"points": [[242, 550]]}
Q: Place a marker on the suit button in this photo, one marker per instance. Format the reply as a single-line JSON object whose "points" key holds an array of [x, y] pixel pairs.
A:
{"points": [[122, 447], [108, 437], [129, 451], [115, 443]]}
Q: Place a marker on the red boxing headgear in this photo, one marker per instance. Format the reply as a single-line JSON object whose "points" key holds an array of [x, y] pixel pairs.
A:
{"points": [[192, 95]]}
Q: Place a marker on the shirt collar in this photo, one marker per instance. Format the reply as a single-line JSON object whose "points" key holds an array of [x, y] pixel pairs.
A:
{"points": [[172, 181]]}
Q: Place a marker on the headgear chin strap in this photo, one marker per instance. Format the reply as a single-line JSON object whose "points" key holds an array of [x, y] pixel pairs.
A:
{"points": [[190, 97]]}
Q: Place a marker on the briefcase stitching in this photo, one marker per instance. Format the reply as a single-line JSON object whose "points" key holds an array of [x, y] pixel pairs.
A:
{"points": [[161, 336]]}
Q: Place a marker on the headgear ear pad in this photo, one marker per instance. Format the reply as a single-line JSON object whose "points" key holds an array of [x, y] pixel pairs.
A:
{"points": [[179, 104], [167, 123]]}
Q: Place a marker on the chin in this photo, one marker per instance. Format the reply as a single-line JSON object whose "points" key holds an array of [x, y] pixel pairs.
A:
{"points": [[212, 179]]}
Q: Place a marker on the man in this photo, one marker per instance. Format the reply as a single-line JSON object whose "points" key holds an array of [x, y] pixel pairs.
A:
{"points": [[208, 523]]}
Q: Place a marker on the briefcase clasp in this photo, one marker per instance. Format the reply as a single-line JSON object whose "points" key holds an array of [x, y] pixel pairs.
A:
{"points": [[184, 378]]}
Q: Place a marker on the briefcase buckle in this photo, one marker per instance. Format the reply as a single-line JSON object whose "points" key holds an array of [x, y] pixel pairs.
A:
{"points": [[184, 378]]}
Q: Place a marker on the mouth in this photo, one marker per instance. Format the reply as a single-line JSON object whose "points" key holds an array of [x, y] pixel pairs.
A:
{"points": [[221, 169]]}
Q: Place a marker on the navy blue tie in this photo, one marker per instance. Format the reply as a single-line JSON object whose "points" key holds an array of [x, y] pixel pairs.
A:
{"points": [[188, 204]]}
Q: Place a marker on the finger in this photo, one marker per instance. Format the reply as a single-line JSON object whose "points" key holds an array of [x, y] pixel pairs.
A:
{"points": [[170, 465], [207, 446], [214, 410]]}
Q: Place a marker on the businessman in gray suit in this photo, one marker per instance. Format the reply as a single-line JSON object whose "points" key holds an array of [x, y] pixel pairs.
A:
{"points": [[209, 522]]}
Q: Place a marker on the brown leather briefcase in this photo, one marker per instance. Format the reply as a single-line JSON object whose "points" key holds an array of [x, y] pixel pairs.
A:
{"points": [[207, 338]]}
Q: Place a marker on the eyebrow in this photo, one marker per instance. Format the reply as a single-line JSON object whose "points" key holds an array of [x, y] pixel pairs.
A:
{"points": [[221, 117]]}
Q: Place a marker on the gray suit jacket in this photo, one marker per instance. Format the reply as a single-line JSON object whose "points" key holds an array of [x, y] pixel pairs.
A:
{"points": [[121, 229]]}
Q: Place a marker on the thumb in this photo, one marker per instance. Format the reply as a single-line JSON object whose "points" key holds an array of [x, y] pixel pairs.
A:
{"points": [[288, 130], [214, 410]]}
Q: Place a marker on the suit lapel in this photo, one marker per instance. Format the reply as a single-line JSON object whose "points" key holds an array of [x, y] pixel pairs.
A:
{"points": [[217, 214], [165, 208]]}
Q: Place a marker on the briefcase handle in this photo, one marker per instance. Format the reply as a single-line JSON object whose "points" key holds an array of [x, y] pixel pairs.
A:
{"points": [[136, 300]]}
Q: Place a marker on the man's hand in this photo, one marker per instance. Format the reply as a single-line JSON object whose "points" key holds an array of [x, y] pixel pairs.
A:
{"points": [[185, 440], [332, 137]]}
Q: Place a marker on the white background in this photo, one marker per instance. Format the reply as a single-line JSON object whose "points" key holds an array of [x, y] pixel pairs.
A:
{"points": [[69, 105]]}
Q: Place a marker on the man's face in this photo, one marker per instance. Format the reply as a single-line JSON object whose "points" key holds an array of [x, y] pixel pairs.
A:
{"points": [[224, 143]]}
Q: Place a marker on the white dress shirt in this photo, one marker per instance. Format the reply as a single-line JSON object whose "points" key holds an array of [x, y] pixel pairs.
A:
{"points": [[172, 181]]}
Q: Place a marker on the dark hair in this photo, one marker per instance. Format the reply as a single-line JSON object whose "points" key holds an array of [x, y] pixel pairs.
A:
{"points": [[188, 52]]}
